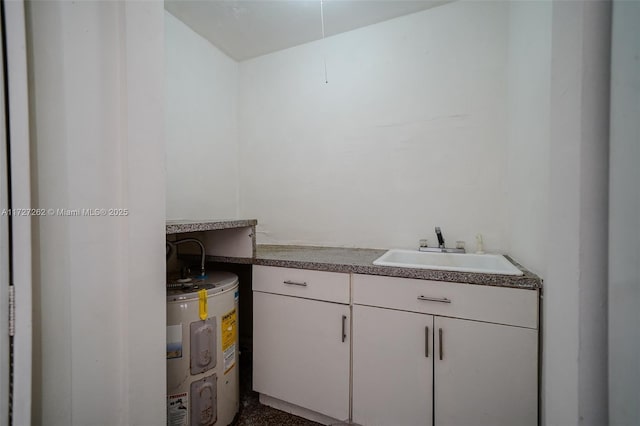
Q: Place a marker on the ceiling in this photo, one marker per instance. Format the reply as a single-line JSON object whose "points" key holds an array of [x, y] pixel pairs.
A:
{"points": [[245, 29]]}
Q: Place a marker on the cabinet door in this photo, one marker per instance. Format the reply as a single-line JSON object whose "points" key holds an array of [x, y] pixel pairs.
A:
{"points": [[300, 354], [392, 367], [485, 374]]}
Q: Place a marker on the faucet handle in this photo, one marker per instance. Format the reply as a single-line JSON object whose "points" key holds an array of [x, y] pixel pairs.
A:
{"points": [[440, 237], [424, 242]]}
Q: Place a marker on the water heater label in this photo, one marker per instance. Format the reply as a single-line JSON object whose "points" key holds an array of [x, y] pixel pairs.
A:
{"points": [[174, 341], [229, 326], [177, 412]]}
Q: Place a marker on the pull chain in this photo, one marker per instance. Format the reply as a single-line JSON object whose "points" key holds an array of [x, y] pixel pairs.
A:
{"points": [[324, 52]]}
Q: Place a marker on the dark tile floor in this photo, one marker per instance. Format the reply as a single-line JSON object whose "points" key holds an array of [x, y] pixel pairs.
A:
{"points": [[252, 413]]}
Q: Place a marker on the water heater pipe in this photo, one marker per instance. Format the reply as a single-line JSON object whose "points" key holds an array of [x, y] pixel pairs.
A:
{"points": [[172, 246]]}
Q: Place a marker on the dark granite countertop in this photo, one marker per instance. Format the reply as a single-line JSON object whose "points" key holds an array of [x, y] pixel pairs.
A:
{"points": [[360, 261], [180, 226], [347, 260]]}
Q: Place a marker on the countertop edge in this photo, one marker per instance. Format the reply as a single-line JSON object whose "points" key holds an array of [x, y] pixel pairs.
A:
{"points": [[493, 280], [182, 226]]}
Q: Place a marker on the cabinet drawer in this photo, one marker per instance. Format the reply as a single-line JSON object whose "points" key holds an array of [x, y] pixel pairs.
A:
{"points": [[500, 305], [318, 285]]}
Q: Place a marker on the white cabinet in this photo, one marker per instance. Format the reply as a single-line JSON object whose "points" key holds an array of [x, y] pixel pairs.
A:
{"points": [[485, 374], [462, 371], [392, 367], [301, 347], [423, 353], [501, 305], [317, 285]]}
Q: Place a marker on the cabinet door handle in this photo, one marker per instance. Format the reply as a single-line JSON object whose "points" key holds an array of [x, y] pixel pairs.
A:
{"points": [[440, 340], [435, 299], [344, 328], [426, 342], [303, 284]]}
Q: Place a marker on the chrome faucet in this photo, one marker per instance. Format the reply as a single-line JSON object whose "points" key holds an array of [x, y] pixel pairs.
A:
{"points": [[440, 238], [441, 248]]}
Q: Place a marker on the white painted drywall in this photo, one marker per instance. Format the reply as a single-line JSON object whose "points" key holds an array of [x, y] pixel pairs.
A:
{"points": [[201, 126], [409, 133], [529, 76], [624, 218], [244, 29], [96, 82], [575, 314], [144, 294]]}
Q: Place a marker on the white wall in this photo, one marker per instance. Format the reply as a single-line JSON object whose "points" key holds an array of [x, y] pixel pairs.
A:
{"points": [[529, 76], [624, 214], [96, 82], [575, 301], [201, 126], [409, 133]]}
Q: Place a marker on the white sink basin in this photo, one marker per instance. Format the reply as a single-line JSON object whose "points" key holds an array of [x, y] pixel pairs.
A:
{"points": [[462, 262]]}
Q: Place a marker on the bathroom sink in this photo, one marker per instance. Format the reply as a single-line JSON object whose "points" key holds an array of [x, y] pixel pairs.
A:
{"points": [[462, 262]]}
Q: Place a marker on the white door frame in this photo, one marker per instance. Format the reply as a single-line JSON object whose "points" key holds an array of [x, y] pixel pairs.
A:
{"points": [[17, 137], [5, 341]]}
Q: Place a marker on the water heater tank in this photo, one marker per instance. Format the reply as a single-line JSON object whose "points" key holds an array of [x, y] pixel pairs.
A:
{"points": [[202, 351]]}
